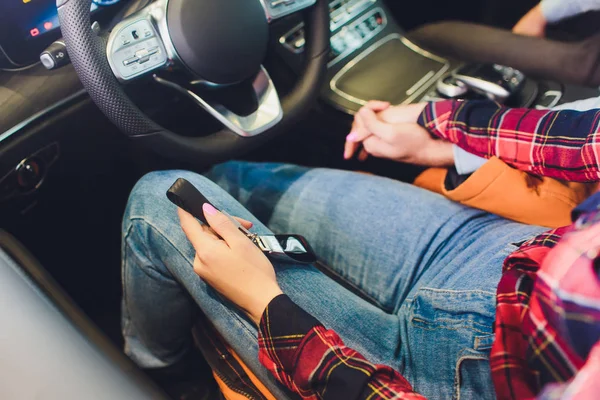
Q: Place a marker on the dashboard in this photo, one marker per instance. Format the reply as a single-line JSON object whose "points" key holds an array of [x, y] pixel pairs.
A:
{"points": [[27, 27]]}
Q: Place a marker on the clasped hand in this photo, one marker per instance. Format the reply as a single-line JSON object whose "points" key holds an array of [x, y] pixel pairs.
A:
{"points": [[392, 132]]}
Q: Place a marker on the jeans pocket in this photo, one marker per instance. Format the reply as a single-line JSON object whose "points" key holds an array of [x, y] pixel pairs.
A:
{"points": [[454, 309], [450, 336], [472, 378]]}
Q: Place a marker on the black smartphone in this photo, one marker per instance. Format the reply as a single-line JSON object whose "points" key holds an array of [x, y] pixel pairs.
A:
{"points": [[185, 196], [285, 248]]}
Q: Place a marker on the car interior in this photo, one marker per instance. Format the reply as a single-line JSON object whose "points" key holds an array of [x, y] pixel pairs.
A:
{"points": [[127, 87]]}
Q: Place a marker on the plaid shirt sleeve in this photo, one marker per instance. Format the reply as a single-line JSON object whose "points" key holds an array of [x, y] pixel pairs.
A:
{"points": [[558, 144], [314, 362]]}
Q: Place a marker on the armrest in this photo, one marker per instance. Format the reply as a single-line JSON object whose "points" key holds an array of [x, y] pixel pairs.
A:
{"points": [[574, 62]]}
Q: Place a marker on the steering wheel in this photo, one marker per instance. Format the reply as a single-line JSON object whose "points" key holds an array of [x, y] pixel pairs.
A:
{"points": [[211, 44]]}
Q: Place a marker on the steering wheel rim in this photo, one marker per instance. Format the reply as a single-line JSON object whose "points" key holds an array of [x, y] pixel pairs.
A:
{"points": [[88, 54]]}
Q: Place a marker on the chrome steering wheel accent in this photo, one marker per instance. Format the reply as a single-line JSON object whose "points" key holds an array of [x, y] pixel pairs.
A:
{"points": [[267, 114]]}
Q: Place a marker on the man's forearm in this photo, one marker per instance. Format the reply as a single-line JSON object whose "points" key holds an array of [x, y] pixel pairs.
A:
{"points": [[558, 144], [467, 163]]}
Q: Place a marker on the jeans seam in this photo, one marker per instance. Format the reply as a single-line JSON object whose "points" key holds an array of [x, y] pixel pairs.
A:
{"points": [[162, 234], [127, 319], [457, 371], [349, 282], [452, 291], [432, 324], [453, 327], [314, 175]]}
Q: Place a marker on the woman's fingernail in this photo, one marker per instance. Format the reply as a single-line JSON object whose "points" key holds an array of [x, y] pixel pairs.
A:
{"points": [[352, 137], [208, 209]]}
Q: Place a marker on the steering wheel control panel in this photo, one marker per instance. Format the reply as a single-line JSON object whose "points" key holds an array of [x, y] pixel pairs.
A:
{"points": [[352, 32], [134, 50], [279, 8], [342, 11]]}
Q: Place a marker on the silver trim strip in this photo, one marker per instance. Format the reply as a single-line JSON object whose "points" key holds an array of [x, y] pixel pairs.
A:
{"points": [[40, 114], [375, 46], [420, 83]]}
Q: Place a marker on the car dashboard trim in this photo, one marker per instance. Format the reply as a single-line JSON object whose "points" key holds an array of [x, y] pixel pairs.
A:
{"points": [[41, 114]]}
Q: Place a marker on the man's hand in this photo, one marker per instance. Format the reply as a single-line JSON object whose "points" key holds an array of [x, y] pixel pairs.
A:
{"points": [[385, 112], [532, 24], [233, 266], [394, 134], [405, 113]]}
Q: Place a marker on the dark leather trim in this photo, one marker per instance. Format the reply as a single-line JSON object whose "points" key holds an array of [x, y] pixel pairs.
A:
{"points": [[565, 62]]}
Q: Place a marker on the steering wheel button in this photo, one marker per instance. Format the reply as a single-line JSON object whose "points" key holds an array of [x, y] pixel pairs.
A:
{"points": [[139, 57], [298, 44], [141, 53], [130, 61], [277, 3]]}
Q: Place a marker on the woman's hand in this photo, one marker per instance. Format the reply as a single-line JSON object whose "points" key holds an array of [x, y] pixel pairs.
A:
{"points": [[358, 129], [532, 24], [233, 266], [394, 134]]}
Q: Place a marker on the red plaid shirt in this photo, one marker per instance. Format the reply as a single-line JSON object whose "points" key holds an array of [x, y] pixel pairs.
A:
{"points": [[547, 326]]}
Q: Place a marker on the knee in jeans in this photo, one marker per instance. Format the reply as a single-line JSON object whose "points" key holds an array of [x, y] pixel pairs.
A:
{"points": [[148, 197]]}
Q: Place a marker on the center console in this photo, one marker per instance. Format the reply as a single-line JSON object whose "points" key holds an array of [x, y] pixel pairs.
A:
{"points": [[371, 57]]}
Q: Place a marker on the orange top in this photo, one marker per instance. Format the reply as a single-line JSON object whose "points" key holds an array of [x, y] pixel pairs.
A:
{"points": [[505, 191]]}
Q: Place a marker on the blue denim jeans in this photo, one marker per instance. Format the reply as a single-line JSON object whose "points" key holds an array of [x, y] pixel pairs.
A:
{"points": [[427, 270]]}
